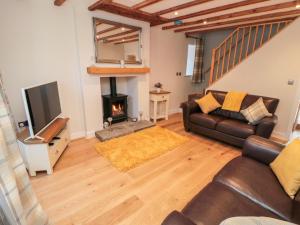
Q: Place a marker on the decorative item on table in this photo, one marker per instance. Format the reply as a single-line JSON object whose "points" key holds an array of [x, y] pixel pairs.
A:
{"points": [[141, 115], [134, 119], [105, 125], [158, 87], [122, 62], [109, 119]]}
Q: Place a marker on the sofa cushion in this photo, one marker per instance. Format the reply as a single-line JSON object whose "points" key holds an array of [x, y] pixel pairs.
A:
{"points": [[236, 128], [287, 168], [257, 182], [217, 202], [205, 120], [208, 103]]}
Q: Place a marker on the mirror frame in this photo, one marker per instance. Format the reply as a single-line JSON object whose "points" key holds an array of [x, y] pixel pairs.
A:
{"points": [[112, 61]]}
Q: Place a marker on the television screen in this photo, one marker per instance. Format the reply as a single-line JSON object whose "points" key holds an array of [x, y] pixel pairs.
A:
{"points": [[43, 105]]}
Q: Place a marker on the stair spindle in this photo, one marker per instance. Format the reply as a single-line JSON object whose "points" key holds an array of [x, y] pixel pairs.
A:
{"points": [[242, 45], [255, 38], [223, 62], [236, 46], [212, 66], [270, 33], [262, 35], [248, 44], [229, 54], [219, 58]]}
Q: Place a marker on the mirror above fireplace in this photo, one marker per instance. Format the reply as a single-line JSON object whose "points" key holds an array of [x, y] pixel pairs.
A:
{"points": [[117, 43]]}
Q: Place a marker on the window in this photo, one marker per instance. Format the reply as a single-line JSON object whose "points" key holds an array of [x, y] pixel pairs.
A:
{"points": [[190, 59]]}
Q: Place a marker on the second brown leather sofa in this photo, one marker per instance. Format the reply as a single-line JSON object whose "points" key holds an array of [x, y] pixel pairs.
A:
{"points": [[246, 186], [227, 126]]}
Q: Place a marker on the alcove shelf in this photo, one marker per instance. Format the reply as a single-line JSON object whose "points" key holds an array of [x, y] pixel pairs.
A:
{"points": [[94, 70]]}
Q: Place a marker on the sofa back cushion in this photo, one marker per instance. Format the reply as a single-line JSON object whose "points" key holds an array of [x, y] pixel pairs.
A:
{"points": [[270, 103]]}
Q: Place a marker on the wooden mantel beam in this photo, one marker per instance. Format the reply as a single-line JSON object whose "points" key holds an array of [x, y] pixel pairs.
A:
{"points": [[59, 2]]}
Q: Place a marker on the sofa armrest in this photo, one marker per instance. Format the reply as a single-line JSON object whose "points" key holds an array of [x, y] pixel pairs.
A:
{"points": [[265, 126], [187, 109], [261, 149], [177, 218]]}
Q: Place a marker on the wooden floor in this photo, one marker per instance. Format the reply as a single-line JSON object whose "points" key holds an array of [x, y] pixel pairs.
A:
{"points": [[86, 190]]}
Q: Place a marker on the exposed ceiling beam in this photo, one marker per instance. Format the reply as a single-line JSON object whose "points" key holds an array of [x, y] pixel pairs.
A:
{"points": [[182, 6], [119, 34], [123, 42], [237, 14], [119, 9], [59, 2], [108, 30], [278, 15], [98, 4], [122, 38], [235, 26], [219, 9], [145, 3]]}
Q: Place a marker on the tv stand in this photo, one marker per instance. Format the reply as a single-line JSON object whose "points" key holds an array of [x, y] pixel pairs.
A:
{"points": [[37, 153]]}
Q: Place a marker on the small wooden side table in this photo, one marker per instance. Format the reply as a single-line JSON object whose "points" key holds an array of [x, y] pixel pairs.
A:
{"points": [[156, 97]]}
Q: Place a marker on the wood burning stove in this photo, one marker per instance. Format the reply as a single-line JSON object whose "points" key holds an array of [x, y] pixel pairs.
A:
{"points": [[114, 105]]}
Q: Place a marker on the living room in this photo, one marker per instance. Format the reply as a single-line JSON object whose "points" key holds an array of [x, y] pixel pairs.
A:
{"points": [[146, 110]]}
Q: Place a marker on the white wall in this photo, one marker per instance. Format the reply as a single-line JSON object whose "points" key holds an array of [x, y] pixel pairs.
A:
{"points": [[38, 45], [168, 53], [267, 72], [41, 42]]}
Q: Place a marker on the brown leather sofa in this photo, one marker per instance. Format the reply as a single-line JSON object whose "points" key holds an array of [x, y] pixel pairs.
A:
{"points": [[227, 126], [246, 186]]}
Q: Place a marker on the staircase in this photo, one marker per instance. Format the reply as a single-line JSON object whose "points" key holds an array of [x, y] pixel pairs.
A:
{"points": [[240, 44]]}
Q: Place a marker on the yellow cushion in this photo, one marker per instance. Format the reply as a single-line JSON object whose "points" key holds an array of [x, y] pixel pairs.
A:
{"points": [[233, 101], [287, 168], [208, 103]]}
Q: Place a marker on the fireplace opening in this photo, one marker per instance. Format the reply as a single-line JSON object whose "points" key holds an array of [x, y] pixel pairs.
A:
{"points": [[114, 104], [117, 109]]}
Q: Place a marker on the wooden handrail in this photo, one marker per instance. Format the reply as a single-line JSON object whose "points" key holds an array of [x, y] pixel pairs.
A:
{"points": [[249, 34]]}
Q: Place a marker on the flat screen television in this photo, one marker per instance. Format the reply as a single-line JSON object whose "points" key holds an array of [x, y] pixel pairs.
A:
{"points": [[42, 106]]}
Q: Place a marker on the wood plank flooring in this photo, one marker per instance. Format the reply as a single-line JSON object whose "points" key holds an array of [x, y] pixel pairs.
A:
{"points": [[86, 190]]}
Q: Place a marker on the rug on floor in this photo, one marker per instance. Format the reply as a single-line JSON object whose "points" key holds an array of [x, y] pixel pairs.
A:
{"points": [[132, 150]]}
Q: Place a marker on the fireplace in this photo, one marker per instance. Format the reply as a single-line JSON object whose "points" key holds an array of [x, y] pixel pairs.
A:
{"points": [[114, 105]]}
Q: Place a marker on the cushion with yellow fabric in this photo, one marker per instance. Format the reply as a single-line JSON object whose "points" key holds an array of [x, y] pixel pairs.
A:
{"points": [[208, 103], [287, 168], [233, 101]]}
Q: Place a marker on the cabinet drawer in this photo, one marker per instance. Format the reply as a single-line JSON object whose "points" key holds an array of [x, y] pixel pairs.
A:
{"points": [[59, 146], [159, 97]]}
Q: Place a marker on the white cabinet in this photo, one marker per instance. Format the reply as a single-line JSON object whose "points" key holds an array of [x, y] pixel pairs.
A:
{"points": [[159, 99], [43, 156]]}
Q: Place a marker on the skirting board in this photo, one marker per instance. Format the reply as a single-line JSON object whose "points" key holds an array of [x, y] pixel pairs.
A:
{"points": [[280, 136], [173, 111], [77, 135]]}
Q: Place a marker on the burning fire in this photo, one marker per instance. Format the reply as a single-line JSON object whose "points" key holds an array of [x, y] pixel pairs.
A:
{"points": [[117, 109]]}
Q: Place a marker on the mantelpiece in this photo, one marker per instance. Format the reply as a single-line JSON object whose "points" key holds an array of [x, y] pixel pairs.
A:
{"points": [[94, 70]]}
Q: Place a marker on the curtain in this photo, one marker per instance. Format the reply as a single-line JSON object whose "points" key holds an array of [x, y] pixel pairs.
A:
{"points": [[19, 204], [198, 64]]}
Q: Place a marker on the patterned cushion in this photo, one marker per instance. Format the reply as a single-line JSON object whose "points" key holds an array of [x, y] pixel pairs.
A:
{"points": [[255, 112]]}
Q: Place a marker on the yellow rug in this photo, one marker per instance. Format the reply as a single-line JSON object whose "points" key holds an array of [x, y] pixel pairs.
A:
{"points": [[134, 149]]}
